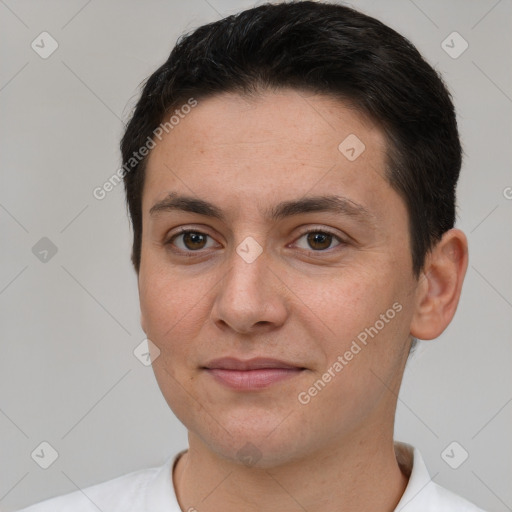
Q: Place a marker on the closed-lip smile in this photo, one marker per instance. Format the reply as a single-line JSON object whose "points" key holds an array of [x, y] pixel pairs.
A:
{"points": [[251, 374]]}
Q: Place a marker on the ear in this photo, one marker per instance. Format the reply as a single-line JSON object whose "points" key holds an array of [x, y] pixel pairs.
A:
{"points": [[440, 285]]}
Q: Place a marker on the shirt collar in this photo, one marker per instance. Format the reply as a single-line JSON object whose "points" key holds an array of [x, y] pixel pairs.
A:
{"points": [[420, 491], [160, 495]]}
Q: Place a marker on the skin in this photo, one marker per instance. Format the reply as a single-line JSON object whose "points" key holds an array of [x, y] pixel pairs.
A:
{"points": [[298, 302]]}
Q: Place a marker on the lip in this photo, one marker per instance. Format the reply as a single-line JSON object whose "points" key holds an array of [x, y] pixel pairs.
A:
{"points": [[256, 363], [251, 374]]}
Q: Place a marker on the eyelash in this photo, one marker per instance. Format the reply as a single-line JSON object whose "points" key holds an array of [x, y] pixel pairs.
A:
{"points": [[190, 253]]}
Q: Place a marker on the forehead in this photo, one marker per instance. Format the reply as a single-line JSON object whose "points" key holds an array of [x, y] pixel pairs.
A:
{"points": [[275, 146]]}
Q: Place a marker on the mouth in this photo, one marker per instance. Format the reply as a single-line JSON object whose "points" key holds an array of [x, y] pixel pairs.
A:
{"points": [[252, 374]]}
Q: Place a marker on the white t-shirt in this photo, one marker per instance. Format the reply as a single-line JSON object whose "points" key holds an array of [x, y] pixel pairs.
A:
{"points": [[152, 490]]}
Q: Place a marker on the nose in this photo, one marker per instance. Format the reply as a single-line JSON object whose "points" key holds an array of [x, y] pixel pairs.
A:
{"points": [[250, 297]]}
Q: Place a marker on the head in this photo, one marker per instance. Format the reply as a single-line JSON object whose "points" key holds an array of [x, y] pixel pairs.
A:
{"points": [[263, 127]]}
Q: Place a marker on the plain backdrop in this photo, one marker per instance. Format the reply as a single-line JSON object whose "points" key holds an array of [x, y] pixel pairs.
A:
{"points": [[69, 312]]}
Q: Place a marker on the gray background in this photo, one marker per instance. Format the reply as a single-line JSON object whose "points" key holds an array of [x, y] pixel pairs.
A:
{"points": [[68, 375]]}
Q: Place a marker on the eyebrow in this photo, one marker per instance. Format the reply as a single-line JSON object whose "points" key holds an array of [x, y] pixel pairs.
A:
{"points": [[331, 203]]}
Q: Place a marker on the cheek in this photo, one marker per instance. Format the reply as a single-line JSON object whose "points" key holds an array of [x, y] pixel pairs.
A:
{"points": [[175, 308], [365, 319], [342, 306], [163, 302], [363, 358]]}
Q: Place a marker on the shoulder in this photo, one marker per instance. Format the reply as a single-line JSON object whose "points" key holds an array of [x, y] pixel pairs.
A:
{"points": [[422, 494], [122, 494], [446, 500]]}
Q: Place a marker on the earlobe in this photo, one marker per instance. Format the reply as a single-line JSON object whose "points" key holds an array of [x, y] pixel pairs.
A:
{"points": [[440, 285]]}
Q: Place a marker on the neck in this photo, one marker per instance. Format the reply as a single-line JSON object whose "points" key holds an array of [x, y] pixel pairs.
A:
{"points": [[356, 475]]}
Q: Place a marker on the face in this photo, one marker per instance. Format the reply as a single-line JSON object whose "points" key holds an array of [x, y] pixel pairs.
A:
{"points": [[269, 269]]}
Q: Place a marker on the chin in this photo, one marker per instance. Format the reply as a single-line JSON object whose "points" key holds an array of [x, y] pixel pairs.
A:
{"points": [[262, 443]]}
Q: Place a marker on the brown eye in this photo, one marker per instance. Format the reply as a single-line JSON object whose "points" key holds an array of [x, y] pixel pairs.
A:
{"points": [[194, 241], [317, 240], [190, 241]]}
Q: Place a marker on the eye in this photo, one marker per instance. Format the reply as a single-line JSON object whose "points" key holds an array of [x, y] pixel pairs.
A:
{"points": [[319, 240], [191, 240]]}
